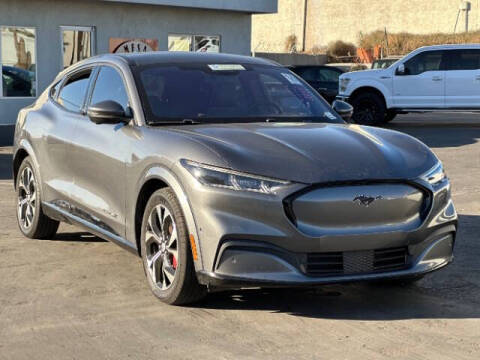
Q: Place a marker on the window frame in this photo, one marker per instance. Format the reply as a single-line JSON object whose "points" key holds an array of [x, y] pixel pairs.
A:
{"points": [[36, 63], [93, 43], [192, 40], [64, 80]]}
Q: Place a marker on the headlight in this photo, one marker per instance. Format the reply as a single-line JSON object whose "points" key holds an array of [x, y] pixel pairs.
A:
{"points": [[233, 180], [344, 84], [435, 175]]}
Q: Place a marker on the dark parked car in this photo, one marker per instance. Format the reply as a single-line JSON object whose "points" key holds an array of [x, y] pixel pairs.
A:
{"points": [[324, 79], [18, 82], [225, 171]]}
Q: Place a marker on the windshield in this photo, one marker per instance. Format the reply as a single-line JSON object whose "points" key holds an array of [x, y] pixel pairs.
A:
{"points": [[228, 93]]}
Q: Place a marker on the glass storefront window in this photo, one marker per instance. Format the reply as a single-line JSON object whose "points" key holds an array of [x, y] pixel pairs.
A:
{"points": [[179, 43], [197, 43], [18, 61], [78, 44], [207, 43]]}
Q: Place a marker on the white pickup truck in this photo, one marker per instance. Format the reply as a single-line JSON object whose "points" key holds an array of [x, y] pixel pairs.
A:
{"points": [[432, 78]]}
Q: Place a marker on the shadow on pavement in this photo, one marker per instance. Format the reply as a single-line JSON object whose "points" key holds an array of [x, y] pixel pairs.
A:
{"points": [[449, 293], [6, 166]]}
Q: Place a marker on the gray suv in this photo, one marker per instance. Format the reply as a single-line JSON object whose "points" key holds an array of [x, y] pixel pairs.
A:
{"points": [[225, 171]]}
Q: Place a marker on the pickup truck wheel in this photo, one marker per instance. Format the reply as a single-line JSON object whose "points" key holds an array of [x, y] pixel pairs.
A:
{"points": [[390, 116], [369, 109]]}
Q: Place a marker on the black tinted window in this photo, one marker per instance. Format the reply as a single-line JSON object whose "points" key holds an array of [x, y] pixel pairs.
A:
{"points": [[307, 74], [328, 75], [72, 94], [425, 61], [464, 60], [109, 86]]}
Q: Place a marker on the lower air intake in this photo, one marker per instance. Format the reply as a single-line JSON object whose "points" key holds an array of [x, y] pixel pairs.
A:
{"points": [[356, 262]]}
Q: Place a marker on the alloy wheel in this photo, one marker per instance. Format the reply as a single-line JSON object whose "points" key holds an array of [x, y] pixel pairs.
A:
{"points": [[27, 198], [366, 113], [161, 243]]}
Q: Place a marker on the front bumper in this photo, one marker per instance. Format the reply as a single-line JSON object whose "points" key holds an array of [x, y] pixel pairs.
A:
{"points": [[342, 98], [259, 265]]}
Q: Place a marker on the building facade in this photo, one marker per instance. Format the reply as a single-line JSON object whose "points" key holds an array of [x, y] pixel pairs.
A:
{"points": [[38, 38], [316, 23]]}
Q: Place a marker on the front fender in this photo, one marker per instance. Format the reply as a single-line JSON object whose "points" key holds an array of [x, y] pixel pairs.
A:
{"points": [[165, 175], [376, 84]]}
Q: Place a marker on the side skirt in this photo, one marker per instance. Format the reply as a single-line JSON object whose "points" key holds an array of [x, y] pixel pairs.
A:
{"points": [[65, 216]]}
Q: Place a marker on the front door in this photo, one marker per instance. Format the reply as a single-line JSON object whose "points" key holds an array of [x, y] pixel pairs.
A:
{"points": [[423, 83], [98, 159]]}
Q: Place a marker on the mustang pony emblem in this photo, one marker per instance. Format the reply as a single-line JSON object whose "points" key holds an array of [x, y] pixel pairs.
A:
{"points": [[366, 200]]}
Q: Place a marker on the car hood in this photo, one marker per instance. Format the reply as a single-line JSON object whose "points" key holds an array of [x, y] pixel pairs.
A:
{"points": [[312, 153]]}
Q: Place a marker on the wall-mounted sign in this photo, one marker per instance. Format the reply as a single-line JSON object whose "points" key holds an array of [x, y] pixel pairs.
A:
{"points": [[126, 45]]}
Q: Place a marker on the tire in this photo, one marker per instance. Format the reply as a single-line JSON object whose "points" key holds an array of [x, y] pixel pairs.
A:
{"points": [[390, 115], [31, 220], [168, 263], [369, 109]]}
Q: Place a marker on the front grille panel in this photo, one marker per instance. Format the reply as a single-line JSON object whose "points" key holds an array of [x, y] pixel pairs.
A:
{"points": [[356, 262]]}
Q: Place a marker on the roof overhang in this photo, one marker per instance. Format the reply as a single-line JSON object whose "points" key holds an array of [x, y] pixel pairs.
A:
{"points": [[248, 6]]}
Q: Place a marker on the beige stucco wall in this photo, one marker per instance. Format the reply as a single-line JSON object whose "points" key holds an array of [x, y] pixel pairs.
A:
{"points": [[330, 20]]}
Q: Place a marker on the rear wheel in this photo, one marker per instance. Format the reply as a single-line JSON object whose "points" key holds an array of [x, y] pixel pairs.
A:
{"points": [[166, 254], [369, 109], [33, 223]]}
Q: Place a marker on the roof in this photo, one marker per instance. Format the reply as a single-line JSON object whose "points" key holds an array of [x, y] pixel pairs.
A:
{"points": [[166, 57], [248, 6]]}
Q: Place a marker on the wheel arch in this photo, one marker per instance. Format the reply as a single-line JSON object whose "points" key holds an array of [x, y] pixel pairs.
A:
{"points": [[23, 150], [155, 178], [371, 89]]}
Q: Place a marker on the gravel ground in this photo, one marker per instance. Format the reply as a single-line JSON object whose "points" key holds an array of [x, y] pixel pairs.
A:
{"points": [[78, 297]]}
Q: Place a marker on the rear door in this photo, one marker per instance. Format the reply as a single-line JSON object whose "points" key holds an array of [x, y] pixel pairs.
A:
{"points": [[98, 158], [423, 83], [463, 79]]}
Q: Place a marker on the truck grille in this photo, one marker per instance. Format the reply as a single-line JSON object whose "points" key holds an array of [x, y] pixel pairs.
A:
{"points": [[356, 262]]}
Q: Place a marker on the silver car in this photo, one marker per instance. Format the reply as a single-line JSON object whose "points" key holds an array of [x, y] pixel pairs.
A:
{"points": [[225, 171]]}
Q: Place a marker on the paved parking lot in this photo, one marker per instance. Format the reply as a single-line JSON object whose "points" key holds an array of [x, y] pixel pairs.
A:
{"points": [[78, 297]]}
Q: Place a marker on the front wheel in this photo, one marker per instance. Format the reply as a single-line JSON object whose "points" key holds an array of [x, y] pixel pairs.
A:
{"points": [[33, 223], [165, 249], [369, 109]]}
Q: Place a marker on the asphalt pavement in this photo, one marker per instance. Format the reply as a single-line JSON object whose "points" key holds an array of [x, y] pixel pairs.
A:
{"points": [[79, 297]]}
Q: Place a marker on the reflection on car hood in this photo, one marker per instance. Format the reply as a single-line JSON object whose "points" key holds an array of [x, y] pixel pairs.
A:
{"points": [[313, 153]]}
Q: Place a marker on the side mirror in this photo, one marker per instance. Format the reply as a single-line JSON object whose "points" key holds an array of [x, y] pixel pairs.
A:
{"points": [[345, 110], [108, 112], [401, 69]]}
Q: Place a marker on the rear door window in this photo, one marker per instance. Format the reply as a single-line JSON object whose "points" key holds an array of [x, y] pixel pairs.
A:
{"points": [[464, 59], [72, 95]]}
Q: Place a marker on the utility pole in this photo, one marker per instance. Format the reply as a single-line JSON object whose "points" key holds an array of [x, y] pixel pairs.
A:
{"points": [[305, 13]]}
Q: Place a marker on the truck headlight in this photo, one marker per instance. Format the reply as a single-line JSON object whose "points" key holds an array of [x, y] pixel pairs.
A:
{"points": [[234, 180]]}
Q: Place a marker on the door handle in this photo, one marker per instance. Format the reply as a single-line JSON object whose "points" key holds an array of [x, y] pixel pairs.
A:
{"points": [[437, 78], [477, 77]]}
